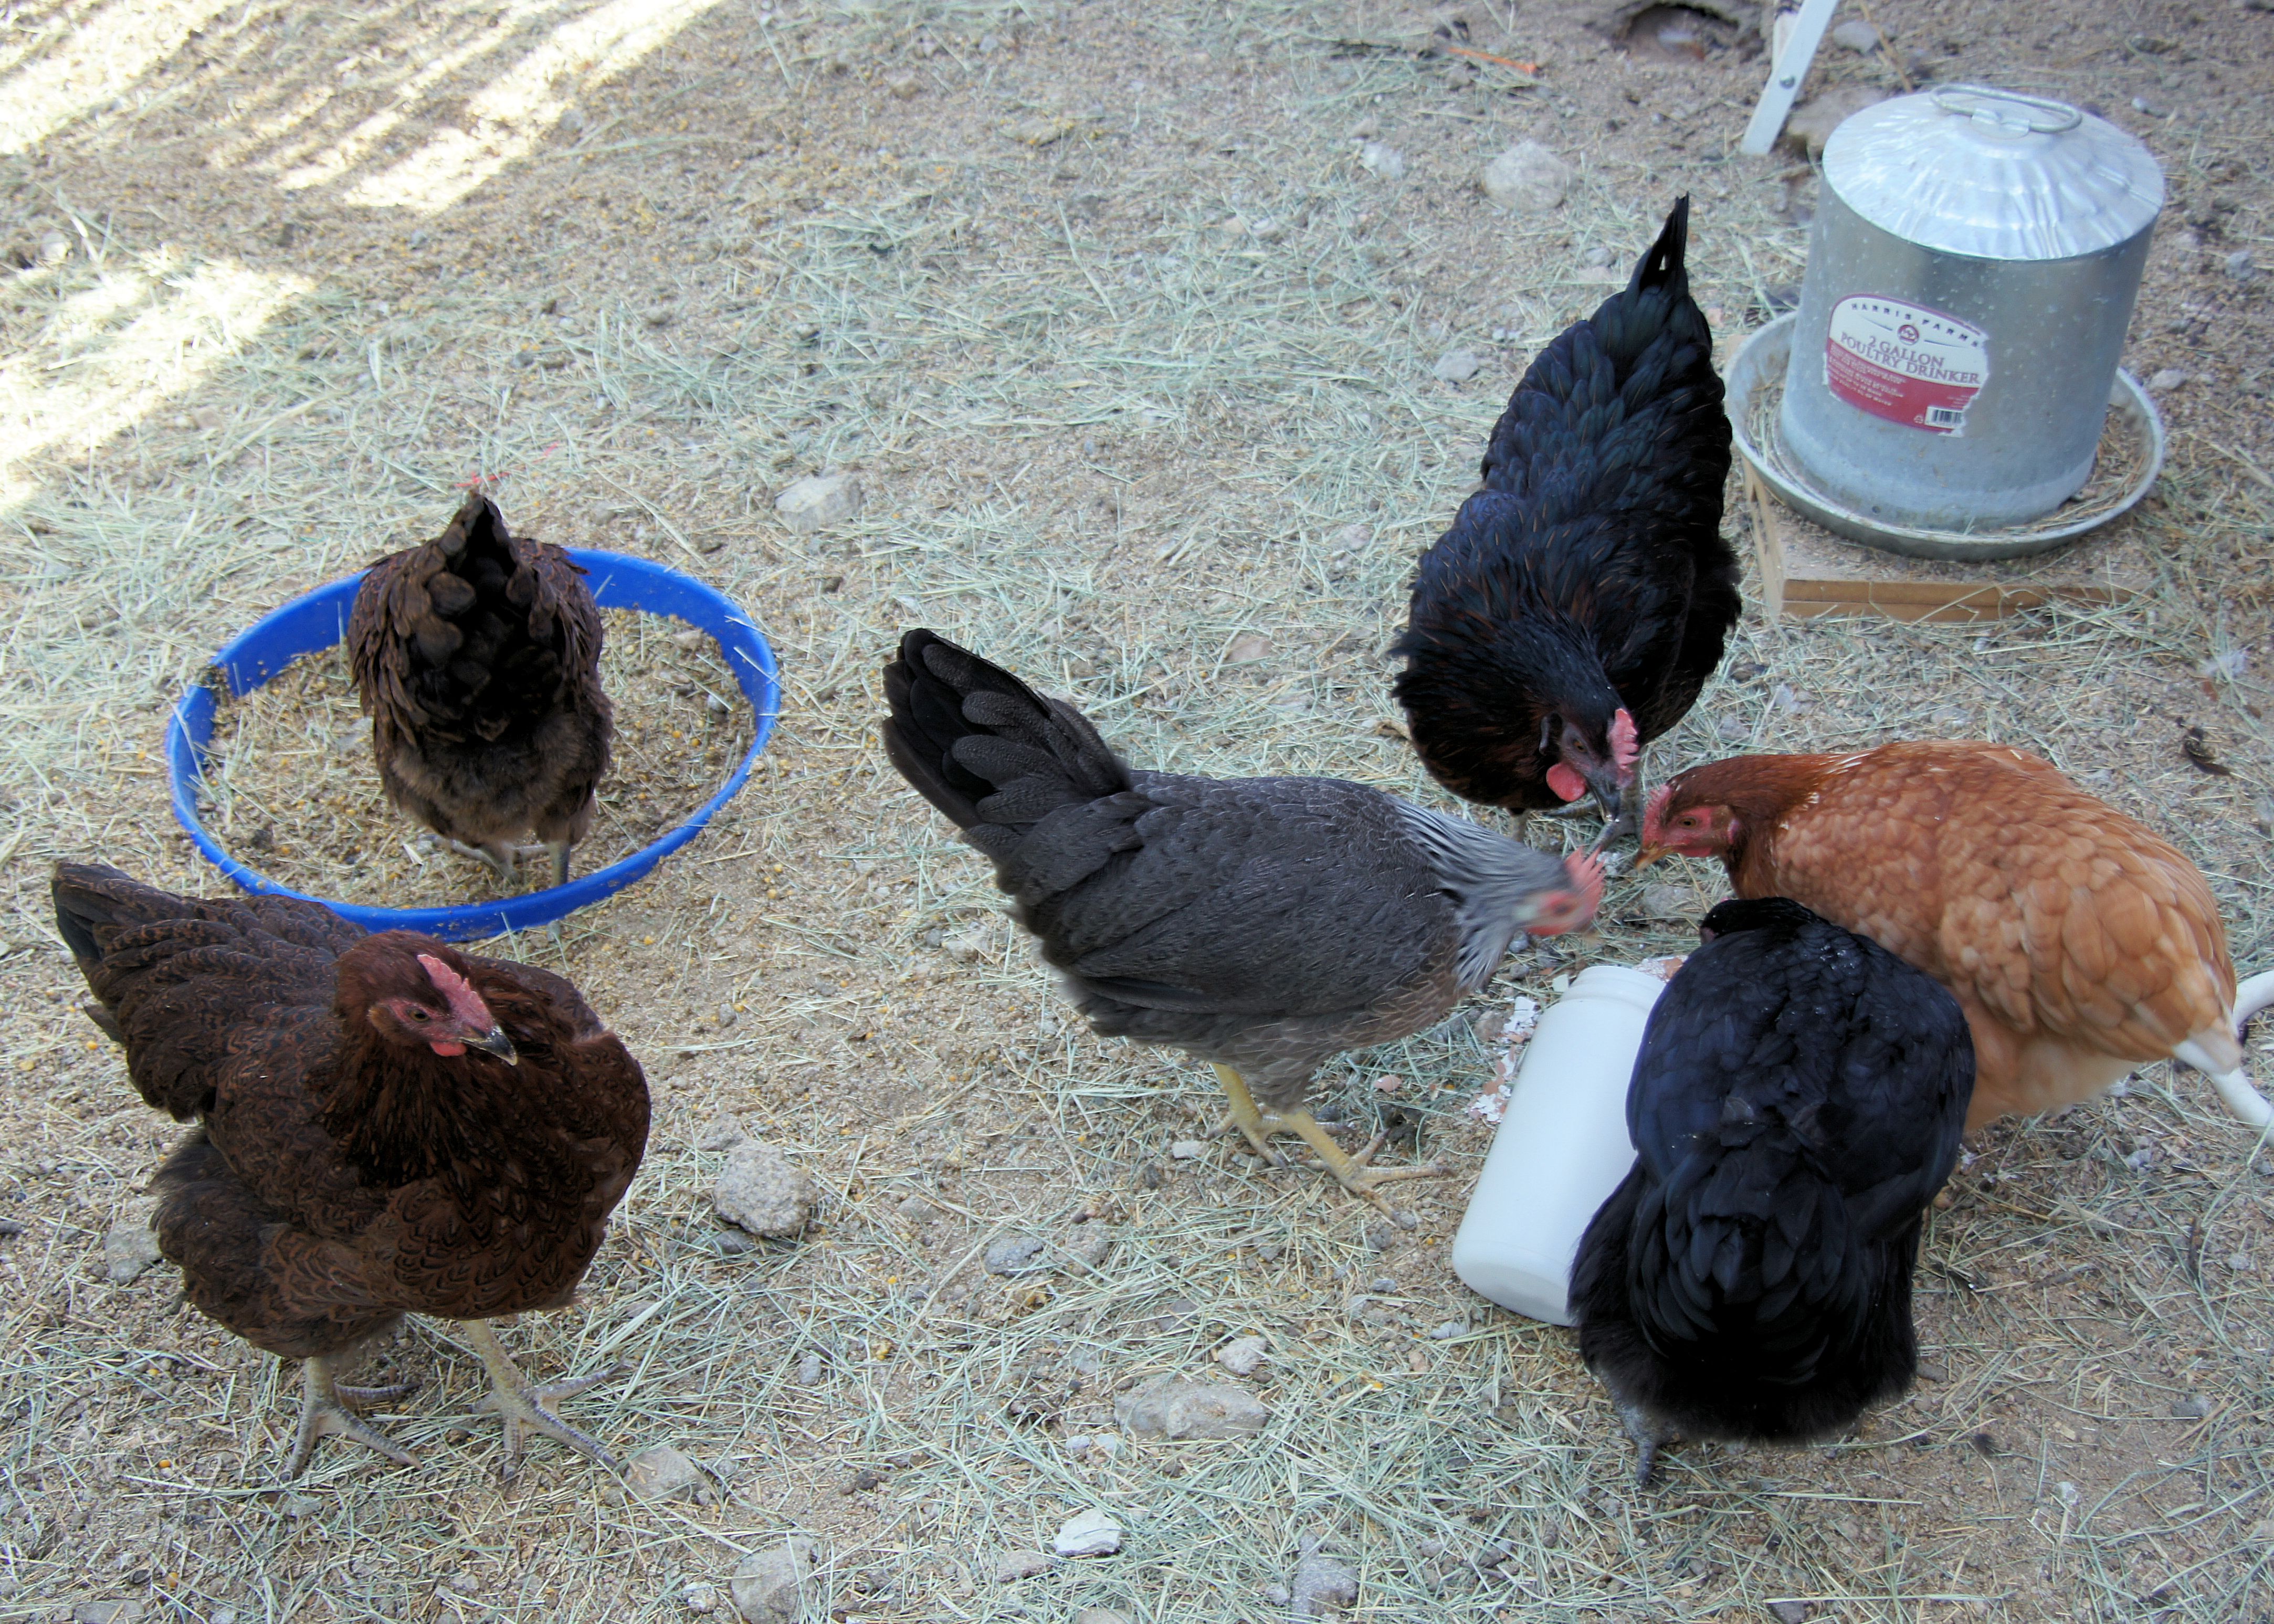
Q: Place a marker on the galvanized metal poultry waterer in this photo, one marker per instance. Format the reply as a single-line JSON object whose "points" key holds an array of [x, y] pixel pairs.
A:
{"points": [[1970, 277]]}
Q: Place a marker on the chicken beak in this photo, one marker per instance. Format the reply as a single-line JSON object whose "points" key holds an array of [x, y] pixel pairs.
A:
{"points": [[1648, 855], [494, 1042], [1614, 794]]}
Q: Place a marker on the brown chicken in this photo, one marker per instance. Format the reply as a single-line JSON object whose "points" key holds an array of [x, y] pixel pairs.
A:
{"points": [[478, 657], [2079, 945], [386, 1127]]}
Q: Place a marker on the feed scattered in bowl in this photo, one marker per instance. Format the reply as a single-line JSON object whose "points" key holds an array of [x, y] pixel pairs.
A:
{"points": [[291, 792]]}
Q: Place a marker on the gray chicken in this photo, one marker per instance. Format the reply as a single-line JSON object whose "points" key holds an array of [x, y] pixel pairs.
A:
{"points": [[477, 657], [1261, 924]]}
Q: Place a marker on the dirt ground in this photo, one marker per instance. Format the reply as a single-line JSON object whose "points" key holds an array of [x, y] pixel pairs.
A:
{"points": [[1126, 319]]}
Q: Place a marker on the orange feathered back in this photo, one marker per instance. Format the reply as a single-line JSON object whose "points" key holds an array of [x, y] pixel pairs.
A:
{"points": [[2079, 942]]}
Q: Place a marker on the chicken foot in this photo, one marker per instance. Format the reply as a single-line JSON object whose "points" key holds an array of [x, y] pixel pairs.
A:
{"points": [[498, 859], [501, 859], [1649, 1437], [323, 1414], [526, 1408], [1352, 1173]]}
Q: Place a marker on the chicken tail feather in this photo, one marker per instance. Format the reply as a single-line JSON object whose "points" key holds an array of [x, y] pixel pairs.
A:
{"points": [[985, 747], [1662, 266]]}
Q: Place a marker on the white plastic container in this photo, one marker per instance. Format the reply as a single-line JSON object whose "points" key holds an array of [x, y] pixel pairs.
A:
{"points": [[1562, 1145]]}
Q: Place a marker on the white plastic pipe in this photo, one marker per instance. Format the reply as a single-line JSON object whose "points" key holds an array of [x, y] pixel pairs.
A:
{"points": [[1563, 1146]]}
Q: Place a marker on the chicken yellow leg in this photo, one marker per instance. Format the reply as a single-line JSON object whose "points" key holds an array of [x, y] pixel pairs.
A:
{"points": [[1351, 1172], [1246, 1117]]}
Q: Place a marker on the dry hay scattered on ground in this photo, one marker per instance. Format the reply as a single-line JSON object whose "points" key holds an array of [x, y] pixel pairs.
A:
{"points": [[1132, 354]]}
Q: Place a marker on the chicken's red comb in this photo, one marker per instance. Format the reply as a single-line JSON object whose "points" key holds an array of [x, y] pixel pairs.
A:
{"points": [[1654, 817], [1626, 749], [466, 1003]]}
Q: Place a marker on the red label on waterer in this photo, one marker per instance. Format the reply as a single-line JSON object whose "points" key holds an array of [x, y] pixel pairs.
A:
{"points": [[1905, 363]]}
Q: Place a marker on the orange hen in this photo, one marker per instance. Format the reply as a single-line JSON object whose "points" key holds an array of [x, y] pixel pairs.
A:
{"points": [[2078, 943]]}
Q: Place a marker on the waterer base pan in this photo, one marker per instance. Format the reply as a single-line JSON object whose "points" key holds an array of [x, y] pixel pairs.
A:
{"points": [[2131, 455]]}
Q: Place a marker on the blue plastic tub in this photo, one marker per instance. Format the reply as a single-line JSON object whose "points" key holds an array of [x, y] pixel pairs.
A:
{"points": [[320, 619]]}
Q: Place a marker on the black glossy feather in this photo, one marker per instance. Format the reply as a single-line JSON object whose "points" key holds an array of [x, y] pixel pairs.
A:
{"points": [[1798, 1102], [1590, 573]]}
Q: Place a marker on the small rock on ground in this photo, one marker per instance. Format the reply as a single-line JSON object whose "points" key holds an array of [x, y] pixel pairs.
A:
{"points": [[1458, 366], [660, 1472], [764, 1191], [1857, 35], [1174, 1408], [1813, 121], [1667, 901], [1086, 1249], [128, 1248], [1100, 1615], [721, 1133], [1088, 1533], [769, 1587], [809, 1370], [1789, 1611], [1012, 1565], [1527, 179], [820, 501], [1381, 160], [967, 945], [1241, 1354], [1012, 1254], [701, 1597], [1321, 1583], [2170, 378], [1188, 1150], [107, 1612]]}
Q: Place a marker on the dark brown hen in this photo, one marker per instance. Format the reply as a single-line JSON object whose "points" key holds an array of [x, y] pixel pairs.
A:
{"points": [[478, 657], [386, 1127], [1261, 924]]}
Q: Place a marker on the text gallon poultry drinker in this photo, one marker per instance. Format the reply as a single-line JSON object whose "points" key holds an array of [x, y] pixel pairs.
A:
{"points": [[1971, 273], [1562, 1145]]}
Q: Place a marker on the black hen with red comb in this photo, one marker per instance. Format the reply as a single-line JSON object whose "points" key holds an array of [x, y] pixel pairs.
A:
{"points": [[1581, 599]]}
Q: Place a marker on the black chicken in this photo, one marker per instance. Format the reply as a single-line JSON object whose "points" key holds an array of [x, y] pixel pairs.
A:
{"points": [[1581, 599], [386, 1127], [478, 657], [1261, 924], [1798, 1102]]}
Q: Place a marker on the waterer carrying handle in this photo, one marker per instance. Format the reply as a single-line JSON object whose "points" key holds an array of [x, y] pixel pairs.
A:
{"points": [[2042, 117]]}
